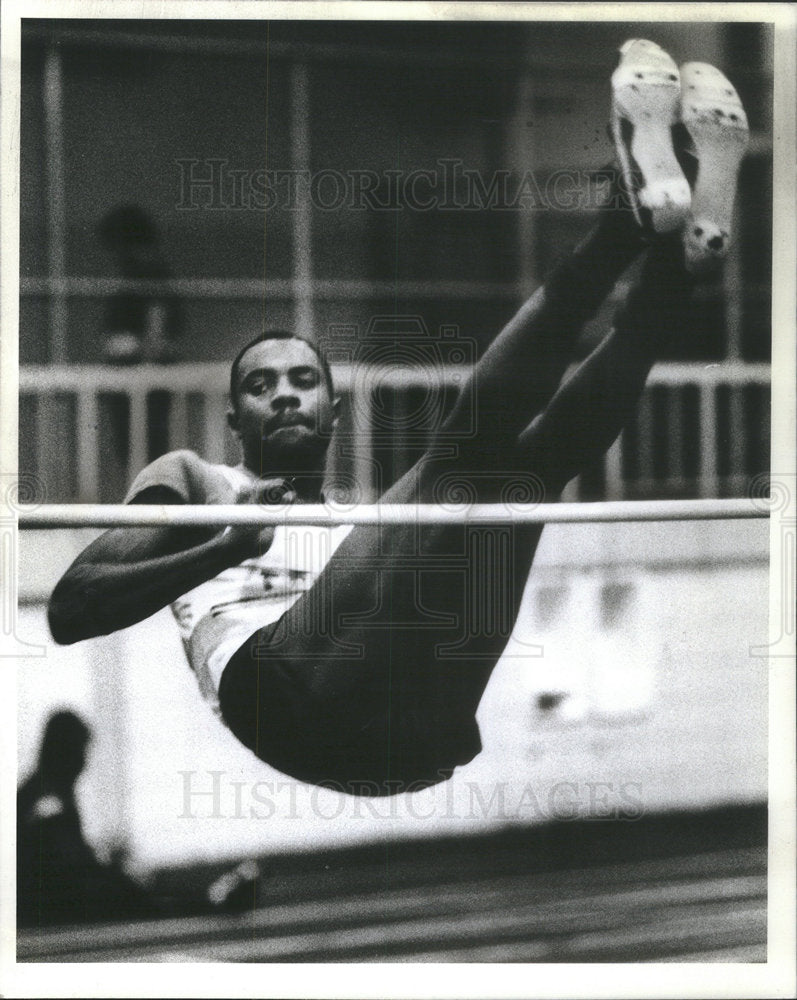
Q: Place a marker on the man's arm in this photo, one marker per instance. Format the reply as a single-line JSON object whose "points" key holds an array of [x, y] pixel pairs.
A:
{"points": [[128, 574]]}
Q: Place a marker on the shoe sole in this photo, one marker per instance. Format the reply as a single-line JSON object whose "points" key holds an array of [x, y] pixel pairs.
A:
{"points": [[646, 96], [717, 124]]}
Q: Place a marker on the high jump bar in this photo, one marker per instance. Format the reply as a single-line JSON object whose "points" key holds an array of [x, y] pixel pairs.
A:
{"points": [[329, 515]]}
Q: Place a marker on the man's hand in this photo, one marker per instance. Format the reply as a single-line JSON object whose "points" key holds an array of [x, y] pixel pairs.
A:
{"points": [[250, 541], [127, 574]]}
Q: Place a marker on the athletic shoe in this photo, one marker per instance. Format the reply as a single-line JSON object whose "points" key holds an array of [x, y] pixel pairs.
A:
{"points": [[235, 891], [717, 125], [646, 95]]}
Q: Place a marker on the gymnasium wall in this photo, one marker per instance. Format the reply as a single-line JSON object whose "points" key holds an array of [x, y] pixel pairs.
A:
{"points": [[149, 109]]}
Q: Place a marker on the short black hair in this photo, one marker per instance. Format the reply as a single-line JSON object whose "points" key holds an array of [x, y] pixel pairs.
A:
{"points": [[63, 732], [277, 335]]}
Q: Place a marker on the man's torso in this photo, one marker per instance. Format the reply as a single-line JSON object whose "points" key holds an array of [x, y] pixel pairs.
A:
{"points": [[218, 616]]}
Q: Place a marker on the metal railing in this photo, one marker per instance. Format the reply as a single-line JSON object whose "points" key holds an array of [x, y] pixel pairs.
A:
{"points": [[85, 431]]}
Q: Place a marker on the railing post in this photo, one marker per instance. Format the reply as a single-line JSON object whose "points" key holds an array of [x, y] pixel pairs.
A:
{"points": [[87, 445], [137, 457], [738, 456], [675, 438], [709, 482], [178, 421], [613, 471], [644, 441], [215, 428]]}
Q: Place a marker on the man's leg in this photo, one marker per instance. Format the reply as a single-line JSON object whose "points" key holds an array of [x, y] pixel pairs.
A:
{"points": [[517, 375], [590, 410], [597, 401]]}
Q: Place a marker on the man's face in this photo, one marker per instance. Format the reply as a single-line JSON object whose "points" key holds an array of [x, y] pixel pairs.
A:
{"points": [[284, 415]]}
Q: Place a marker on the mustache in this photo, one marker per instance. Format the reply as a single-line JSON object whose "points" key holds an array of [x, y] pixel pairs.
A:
{"points": [[287, 420]]}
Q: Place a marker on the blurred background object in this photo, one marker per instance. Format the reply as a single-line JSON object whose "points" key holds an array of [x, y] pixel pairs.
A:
{"points": [[138, 327], [60, 879]]}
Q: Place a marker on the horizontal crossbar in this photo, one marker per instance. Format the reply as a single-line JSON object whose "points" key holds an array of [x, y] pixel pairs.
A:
{"points": [[329, 515]]}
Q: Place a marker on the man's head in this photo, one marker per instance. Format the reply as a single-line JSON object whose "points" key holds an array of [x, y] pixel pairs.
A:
{"points": [[282, 407], [63, 749]]}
